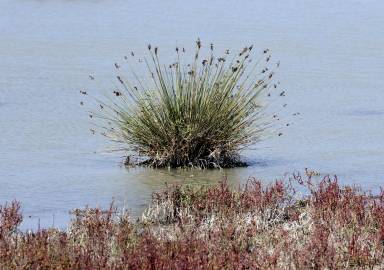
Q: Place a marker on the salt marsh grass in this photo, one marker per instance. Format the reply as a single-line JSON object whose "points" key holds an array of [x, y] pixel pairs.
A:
{"points": [[199, 113], [256, 226]]}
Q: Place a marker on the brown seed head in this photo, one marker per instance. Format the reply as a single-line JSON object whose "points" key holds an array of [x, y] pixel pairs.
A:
{"points": [[198, 43]]}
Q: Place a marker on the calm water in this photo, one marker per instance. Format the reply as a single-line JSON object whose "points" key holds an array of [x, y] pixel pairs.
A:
{"points": [[332, 55]]}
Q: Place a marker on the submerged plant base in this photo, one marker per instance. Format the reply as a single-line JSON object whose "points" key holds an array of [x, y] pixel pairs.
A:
{"points": [[216, 227], [208, 163]]}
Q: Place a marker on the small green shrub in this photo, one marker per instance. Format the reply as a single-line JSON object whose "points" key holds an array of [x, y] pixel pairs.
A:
{"points": [[199, 114]]}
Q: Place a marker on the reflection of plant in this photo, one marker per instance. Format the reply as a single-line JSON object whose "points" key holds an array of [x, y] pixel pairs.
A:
{"points": [[200, 114], [212, 227]]}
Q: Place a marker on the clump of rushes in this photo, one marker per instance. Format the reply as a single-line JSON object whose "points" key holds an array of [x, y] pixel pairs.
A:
{"points": [[199, 114]]}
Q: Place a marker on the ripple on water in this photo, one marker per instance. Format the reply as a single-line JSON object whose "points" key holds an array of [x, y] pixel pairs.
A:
{"points": [[367, 112]]}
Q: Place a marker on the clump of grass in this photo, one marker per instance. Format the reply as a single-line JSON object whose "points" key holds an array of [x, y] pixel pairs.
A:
{"points": [[213, 227], [198, 114]]}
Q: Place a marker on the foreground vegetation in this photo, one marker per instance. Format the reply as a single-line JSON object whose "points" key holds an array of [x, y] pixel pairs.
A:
{"points": [[199, 113], [326, 226]]}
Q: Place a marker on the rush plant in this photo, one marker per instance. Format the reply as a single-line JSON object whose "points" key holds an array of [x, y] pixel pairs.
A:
{"points": [[198, 114]]}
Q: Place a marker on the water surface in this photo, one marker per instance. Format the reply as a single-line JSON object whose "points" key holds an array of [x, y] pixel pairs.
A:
{"points": [[332, 68]]}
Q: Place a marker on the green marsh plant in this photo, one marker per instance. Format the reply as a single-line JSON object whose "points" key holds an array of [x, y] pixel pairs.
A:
{"points": [[199, 114]]}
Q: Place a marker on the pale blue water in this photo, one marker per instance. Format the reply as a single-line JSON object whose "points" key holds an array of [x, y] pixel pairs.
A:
{"points": [[332, 55]]}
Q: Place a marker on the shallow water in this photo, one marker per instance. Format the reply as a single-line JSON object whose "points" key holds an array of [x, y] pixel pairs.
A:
{"points": [[332, 68]]}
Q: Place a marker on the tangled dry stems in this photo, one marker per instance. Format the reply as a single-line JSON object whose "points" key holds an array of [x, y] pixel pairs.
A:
{"points": [[217, 227]]}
